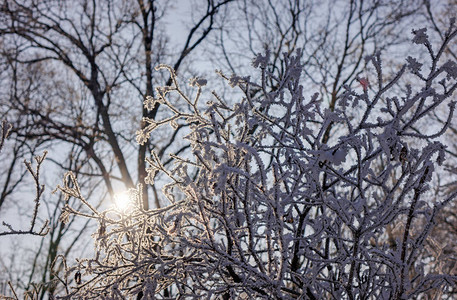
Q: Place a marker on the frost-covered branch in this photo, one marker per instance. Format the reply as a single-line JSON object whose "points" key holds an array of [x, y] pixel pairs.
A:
{"points": [[39, 189], [270, 205]]}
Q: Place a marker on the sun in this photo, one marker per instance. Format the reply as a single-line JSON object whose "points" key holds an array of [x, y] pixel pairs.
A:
{"points": [[122, 201]]}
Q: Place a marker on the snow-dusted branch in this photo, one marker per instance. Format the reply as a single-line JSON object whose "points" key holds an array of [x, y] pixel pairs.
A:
{"points": [[39, 189], [270, 205]]}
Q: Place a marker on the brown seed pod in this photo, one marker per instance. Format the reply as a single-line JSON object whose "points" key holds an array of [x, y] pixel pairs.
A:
{"points": [[403, 155], [140, 295], [101, 229], [288, 218], [78, 277]]}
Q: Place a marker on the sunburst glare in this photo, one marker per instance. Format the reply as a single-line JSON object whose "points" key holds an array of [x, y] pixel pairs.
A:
{"points": [[122, 201]]}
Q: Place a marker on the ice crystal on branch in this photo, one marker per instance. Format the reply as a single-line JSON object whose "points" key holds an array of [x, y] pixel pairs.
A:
{"points": [[414, 65], [198, 82], [420, 36]]}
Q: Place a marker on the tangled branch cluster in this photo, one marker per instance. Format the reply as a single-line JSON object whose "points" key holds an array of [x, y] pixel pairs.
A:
{"points": [[281, 198]]}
